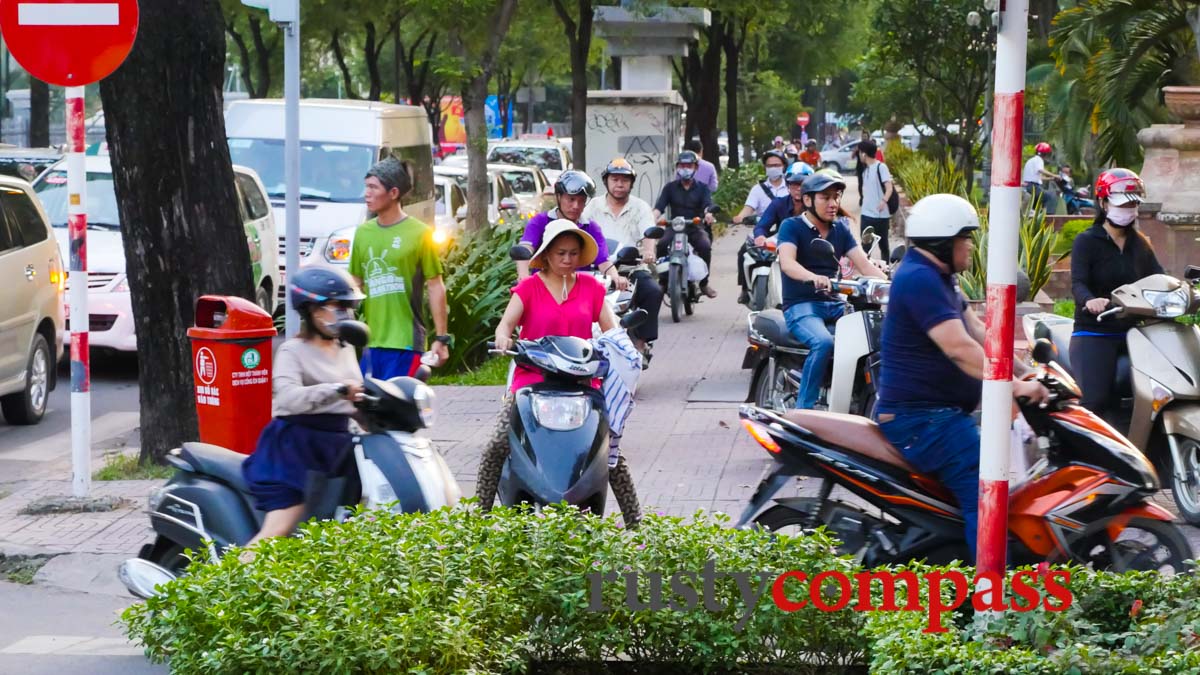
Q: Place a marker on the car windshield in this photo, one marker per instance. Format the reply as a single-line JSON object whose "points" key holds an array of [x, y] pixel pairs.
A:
{"points": [[328, 171], [101, 199], [522, 182], [439, 206], [462, 185], [540, 156]]}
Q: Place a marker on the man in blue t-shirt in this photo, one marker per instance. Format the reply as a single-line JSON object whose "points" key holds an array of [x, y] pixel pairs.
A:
{"points": [[808, 305], [932, 354]]}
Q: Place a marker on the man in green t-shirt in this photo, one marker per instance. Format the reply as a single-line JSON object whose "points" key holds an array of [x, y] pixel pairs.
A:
{"points": [[395, 260]]}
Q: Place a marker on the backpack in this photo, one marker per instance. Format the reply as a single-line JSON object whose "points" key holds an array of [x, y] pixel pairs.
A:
{"points": [[893, 202]]}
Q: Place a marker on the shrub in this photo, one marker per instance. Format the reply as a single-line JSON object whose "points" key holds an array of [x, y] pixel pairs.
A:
{"points": [[464, 592], [1065, 308], [1037, 243], [1137, 622], [921, 177], [478, 275], [735, 185], [1066, 236]]}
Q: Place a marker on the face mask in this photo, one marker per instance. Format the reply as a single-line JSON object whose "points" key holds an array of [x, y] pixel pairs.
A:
{"points": [[1122, 217], [774, 173], [685, 174]]}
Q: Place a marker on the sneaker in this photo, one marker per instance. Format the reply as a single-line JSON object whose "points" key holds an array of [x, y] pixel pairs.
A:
{"points": [[709, 291]]}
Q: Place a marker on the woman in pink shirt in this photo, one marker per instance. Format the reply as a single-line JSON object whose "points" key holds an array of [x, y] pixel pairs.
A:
{"points": [[555, 301]]}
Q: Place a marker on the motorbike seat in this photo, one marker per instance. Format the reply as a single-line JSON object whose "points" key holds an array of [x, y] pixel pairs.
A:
{"points": [[851, 432], [213, 460], [771, 325]]}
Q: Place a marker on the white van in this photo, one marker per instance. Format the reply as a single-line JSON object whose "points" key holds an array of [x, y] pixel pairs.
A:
{"points": [[339, 141]]}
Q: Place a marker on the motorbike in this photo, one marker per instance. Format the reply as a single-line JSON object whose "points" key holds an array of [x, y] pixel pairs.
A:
{"points": [[1159, 380], [558, 428], [682, 268], [1086, 500], [776, 357], [206, 506], [1077, 200], [757, 265]]}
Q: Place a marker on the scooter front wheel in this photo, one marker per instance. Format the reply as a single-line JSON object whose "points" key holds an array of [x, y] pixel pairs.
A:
{"points": [[801, 516], [758, 296], [675, 292], [1187, 490]]}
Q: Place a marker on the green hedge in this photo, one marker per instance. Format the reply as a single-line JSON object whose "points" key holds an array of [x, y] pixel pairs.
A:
{"points": [[735, 185], [1137, 622], [463, 592], [1067, 234]]}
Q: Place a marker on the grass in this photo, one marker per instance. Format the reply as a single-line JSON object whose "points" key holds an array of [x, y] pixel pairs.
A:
{"points": [[1065, 308], [494, 371], [119, 466]]}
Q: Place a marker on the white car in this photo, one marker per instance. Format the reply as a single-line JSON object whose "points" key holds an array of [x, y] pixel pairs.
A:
{"points": [[529, 184], [548, 155], [502, 203], [111, 313], [449, 198], [844, 159]]}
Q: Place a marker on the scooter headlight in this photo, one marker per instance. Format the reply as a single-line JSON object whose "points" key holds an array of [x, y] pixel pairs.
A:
{"points": [[1169, 304], [678, 225], [560, 413], [423, 398], [879, 291], [156, 497]]}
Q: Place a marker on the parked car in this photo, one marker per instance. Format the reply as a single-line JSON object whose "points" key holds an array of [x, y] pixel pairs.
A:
{"points": [[502, 202], [844, 159], [450, 198], [532, 188], [31, 317], [27, 163], [110, 321], [548, 155]]}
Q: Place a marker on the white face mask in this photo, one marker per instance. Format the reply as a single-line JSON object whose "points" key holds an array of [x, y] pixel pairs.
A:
{"points": [[774, 173], [1122, 217]]}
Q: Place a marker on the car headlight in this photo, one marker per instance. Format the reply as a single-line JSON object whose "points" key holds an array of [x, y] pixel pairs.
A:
{"points": [[122, 286], [560, 413], [338, 248], [424, 398], [1169, 304]]}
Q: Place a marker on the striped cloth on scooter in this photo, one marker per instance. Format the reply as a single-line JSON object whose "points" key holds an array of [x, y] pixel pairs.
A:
{"points": [[624, 369]]}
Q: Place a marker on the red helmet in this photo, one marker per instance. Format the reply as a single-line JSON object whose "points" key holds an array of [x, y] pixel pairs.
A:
{"points": [[1120, 186], [1042, 148]]}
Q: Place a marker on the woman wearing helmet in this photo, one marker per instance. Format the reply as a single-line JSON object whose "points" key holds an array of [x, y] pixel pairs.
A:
{"points": [[932, 354], [314, 384], [1034, 175], [807, 307], [1109, 254], [787, 206]]}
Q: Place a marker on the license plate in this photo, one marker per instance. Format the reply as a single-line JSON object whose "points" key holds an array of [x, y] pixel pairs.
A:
{"points": [[678, 246]]}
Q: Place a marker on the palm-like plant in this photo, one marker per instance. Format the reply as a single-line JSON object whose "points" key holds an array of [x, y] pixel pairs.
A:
{"points": [[1123, 52]]}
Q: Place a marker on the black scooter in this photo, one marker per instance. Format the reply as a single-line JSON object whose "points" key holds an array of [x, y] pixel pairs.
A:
{"points": [[206, 506]]}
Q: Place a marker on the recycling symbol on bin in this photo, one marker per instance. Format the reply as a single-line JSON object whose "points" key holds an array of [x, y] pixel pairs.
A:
{"points": [[206, 365], [251, 358]]}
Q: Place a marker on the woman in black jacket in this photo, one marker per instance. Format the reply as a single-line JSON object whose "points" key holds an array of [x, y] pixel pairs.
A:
{"points": [[1109, 254]]}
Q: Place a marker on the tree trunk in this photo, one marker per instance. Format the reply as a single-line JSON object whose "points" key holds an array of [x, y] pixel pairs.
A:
{"points": [[39, 113], [335, 43], [579, 39], [175, 195], [474, 98], [732, 51], [371, 53], [396, 73]]}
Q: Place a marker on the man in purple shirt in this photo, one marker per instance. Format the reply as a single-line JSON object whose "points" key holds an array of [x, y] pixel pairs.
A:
{"points": [[572, 191], [706, 173]]}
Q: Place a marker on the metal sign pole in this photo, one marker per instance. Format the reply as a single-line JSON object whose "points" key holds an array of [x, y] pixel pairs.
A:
{"points": [[291, 154], [81, 401]]}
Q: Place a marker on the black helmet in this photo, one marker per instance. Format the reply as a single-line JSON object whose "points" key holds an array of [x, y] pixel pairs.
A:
{"points": [[688, 157], [820, 182], [618, 167], [773, 153], [574, 182], [318, 285]]}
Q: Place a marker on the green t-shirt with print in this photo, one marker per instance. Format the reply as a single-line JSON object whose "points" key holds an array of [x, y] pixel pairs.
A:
{"points": [[394, 262]]}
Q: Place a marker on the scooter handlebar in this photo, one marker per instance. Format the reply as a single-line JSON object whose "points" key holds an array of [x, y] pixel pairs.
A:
{"points": [[1108, 312]]}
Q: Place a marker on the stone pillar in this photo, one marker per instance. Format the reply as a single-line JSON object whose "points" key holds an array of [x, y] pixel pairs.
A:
{"points": [[644, 127], [1171, 214]]}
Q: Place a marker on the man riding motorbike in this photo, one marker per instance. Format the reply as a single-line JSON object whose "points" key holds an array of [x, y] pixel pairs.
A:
{"points": [[625, 218], [757, 202], [572, 190], [933, 358], [806, 275], [688, 199]]}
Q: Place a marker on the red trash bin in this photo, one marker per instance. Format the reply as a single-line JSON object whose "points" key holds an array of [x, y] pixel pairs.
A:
{"points": [[231, 368]]}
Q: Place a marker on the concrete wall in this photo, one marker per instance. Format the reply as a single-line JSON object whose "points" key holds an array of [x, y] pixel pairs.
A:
{"points": [[643, 127]]}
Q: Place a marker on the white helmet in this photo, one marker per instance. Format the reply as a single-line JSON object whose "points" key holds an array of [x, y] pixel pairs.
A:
{"points": [[941, 217]]}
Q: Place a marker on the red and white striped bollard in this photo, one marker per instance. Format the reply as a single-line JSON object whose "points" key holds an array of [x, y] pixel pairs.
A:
{"points": [[81, 402]]}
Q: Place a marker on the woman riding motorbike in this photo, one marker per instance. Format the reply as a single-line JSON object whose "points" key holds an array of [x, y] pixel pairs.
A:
{"points": [[1110, 254], [315, 382], [554, 301]]}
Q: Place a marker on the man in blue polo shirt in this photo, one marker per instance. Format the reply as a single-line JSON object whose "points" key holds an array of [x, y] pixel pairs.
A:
{"points": [[807, 304], [933, 358]]}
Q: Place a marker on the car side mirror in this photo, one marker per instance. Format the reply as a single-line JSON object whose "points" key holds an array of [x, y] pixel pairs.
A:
{"points": [[634, 319], [627, 256], [1192, 273], [461, 213], [1044, 351], [520, 252], [654, 232], [897, 254], [509, 204]]}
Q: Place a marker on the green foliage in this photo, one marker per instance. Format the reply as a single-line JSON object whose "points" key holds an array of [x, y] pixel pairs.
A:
{"points": [[1066, 236], [735, 185], [1065, 308], [921, 176], [1138, 622], [768, 105], [1038, 242], [479, 275], [458, 591], [493, 371], [119, 466]]}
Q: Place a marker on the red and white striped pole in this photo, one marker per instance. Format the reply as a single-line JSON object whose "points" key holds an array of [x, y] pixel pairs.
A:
{"points": [[81, 402], [1004, 224]]}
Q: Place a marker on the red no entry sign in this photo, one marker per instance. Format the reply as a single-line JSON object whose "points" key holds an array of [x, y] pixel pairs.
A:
{"points": [[69, 43], [802, 119]]}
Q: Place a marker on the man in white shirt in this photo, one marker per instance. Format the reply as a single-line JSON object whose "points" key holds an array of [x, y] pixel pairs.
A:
{"points": [[876, 189], [759, 198], [1034, 175], [625, 218]]}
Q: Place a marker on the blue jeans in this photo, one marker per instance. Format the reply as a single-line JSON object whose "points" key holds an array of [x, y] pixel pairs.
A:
{"points": [[806, 321], [943, 442]]}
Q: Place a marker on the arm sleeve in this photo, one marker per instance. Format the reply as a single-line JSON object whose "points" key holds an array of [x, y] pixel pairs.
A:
{"points": [[1152, 264], [597, 299], [848, 241], [524, 291], [708, 200], [769, 217], [885, 174], [356, 257], [534, 230], [928, 307], [289, 395], [601, 242], [1081, 266], [663, 199], [751, 199]]}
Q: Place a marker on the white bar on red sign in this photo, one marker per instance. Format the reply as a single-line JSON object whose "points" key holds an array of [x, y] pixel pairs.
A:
{"points": [[68, 14]]}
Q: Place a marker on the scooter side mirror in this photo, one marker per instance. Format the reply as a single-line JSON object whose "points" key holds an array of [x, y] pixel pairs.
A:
{"points": [[868, 235], [634, 319], [353, 332], [820, 247], [520, 252], [1192, 273], [1044, 351], [897, 254], [654, 232], [627, 256]]}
